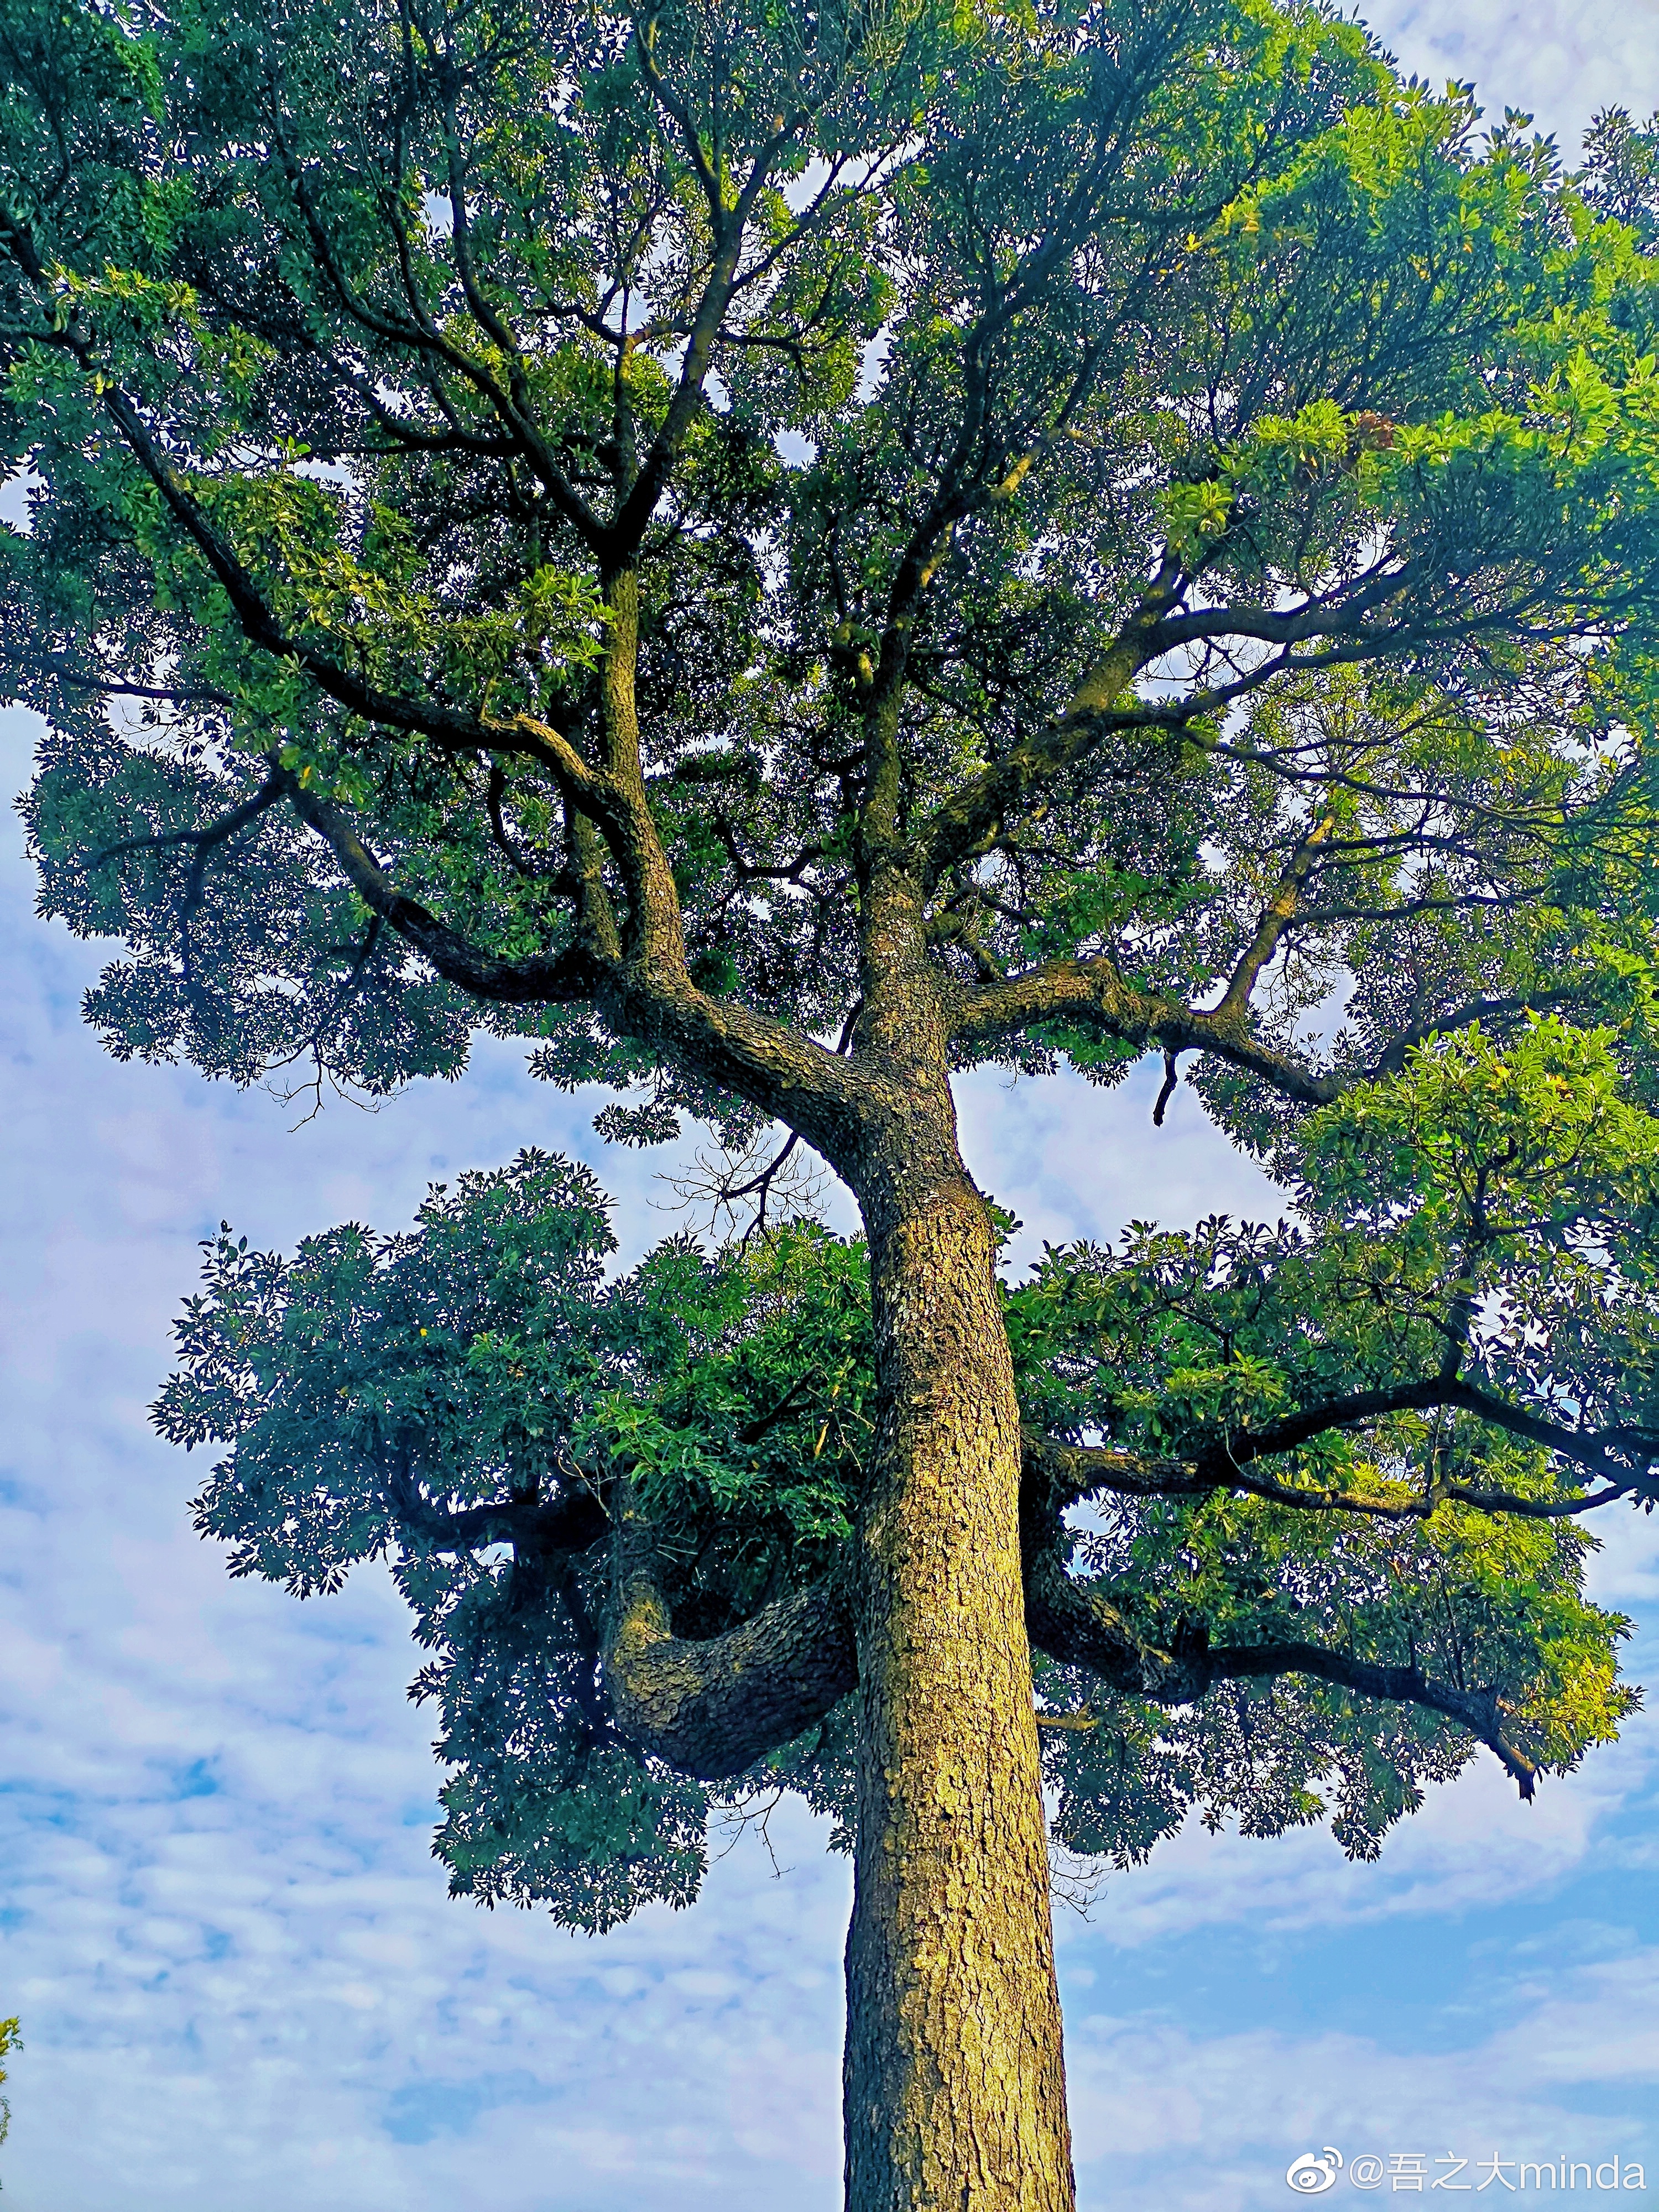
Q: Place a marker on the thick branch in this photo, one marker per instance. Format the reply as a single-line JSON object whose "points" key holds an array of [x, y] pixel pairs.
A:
{"points": [[651, 998], [712, 1708], [1093, 992], [791, 1078], [1081, 1628]]}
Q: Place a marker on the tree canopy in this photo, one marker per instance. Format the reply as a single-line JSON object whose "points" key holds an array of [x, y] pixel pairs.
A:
{"points": [[779, 553], [452, 1398], [1093, 402]]}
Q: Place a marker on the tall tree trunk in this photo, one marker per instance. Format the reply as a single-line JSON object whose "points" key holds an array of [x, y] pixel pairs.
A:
{"points": [[955, 2078]]}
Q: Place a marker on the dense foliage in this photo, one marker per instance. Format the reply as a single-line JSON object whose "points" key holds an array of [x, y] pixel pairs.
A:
{"points": [[485, 1361], [402, 1396], [1229, 290]]}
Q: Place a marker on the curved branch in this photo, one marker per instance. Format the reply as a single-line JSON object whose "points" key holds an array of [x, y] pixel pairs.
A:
{"points": [[966, 825], [204, 840], [1079, 1628], [712, 1708], [1605, 1455], [1073, 1471], [1105, 703], [1479, 1711], [1092, 992], [1167, 1089], [1393, 1057], [561, 978], [791, 1078]]}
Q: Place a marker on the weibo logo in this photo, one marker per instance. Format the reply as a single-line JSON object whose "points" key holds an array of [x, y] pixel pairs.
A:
{"points": [[1315, 2172]]}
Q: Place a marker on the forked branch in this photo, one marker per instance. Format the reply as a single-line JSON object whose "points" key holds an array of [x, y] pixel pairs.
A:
{"points": [[1093, 995]]}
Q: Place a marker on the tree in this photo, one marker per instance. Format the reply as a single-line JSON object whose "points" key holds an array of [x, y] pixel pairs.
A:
{"points": [[782, 553], [10, 2040]]}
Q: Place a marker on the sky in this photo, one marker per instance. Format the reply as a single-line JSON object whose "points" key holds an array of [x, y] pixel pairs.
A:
{"points": [[242, 1984]]}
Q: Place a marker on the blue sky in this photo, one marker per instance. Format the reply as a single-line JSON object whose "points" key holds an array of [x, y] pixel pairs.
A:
{"points": [[243, 1986]]}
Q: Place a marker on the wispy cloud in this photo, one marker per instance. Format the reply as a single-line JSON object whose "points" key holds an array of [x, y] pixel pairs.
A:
{"points": [[1559, 59]]}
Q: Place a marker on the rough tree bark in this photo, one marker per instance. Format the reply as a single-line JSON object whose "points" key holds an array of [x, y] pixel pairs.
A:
{"points": [[955, 2078], [955, 2086]]}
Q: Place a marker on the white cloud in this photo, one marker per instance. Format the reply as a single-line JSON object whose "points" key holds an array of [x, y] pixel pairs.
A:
{"points": [[1472, 1842], [1224, 2116], [1559, 59]]}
